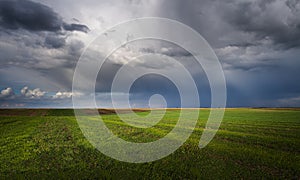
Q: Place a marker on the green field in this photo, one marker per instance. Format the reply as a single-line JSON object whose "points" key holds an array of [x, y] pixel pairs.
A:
{"points": [[250, 144]]}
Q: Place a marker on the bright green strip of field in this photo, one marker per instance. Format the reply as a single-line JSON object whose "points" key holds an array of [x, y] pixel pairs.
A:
{"points": [[250, 144]]}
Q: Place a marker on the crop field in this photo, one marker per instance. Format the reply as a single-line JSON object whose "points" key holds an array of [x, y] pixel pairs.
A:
{"points": [[250, 144]]}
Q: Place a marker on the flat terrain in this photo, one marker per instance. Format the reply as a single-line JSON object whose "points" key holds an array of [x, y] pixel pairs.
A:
{"points": [[250, 144]]}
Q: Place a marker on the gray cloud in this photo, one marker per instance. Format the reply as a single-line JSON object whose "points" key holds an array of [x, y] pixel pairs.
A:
{"points": [[262, 18], [75, 27], [55, 42], [32, 16], [257, 42], [34, 37], [172, 51], [290, 102]]}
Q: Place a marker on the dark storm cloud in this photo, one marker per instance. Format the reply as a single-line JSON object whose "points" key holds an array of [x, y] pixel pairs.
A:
{"points": [[28, 15], [261, 19], [75, 27], [257, 42], [34, 37], [32, 16], [240, 22]]}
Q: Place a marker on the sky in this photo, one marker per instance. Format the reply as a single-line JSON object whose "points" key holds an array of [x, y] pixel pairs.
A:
{"points": [[256, 41]]}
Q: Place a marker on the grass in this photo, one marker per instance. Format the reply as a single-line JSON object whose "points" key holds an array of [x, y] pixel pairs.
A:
{"points": [[250, 144]]}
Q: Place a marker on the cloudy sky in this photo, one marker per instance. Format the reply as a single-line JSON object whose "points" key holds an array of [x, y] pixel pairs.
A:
{"points": [[256, 41]]}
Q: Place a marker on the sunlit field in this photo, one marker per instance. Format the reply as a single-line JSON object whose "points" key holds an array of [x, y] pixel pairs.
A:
{"points": [[250, 144]]}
